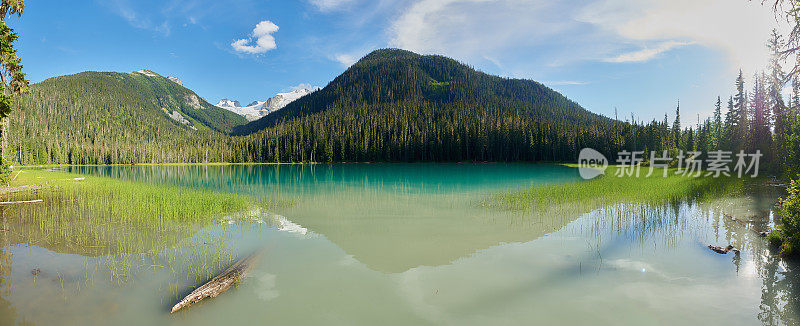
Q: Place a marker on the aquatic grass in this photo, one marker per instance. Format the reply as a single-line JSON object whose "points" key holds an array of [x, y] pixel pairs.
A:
{"points": [[130, 227], [129, 201], [99, 216], [610, 190]]}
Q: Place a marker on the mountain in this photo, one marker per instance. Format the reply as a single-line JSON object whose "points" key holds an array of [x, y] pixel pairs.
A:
{"points": [[250, 112], [259, 109], [108, 117], [396, 105], [392, 76], [392, 105]]}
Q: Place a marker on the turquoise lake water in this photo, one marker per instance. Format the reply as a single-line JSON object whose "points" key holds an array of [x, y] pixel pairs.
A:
{"points": [[410, 244]]}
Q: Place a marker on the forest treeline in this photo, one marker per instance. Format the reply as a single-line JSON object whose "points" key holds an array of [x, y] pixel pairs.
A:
{"points": [[111, 118], [393, 105]]}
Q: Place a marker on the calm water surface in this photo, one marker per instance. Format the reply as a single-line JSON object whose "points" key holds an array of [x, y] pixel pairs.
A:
{"points": [[400, 244]]}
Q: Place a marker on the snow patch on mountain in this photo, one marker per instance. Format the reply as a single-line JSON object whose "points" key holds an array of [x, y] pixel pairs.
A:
{"points": [[146, 72], [258, 109], [281, 100], [229, 103], [175, 80]]}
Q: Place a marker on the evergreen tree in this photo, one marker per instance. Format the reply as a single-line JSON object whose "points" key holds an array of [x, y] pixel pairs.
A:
{"points": [[12, 78], [676, 127], [760, 134], [738, 114], [716, 139], [775, 99]]}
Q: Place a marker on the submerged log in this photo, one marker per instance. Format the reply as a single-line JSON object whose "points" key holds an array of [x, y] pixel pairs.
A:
{"points": [[775, 183], [21, 202], [11, 190], [220, 283], [723, 251], [73, 179]]}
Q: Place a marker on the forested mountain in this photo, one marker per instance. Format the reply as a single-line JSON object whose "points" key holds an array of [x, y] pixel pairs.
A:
{"points": [[392, 75], [106, 117], [395, 105], [392, 105]]}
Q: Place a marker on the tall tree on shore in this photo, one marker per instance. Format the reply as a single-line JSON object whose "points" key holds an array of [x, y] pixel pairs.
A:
{"points": [[717, 124], [12, 79], [738, 115], [729, 126], [676, 127], [776, 80], [760, 128]]}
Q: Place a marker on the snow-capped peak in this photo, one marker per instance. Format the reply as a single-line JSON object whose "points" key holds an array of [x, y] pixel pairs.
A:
{"points": [[258, 109], [226, 103], [281, 100]]}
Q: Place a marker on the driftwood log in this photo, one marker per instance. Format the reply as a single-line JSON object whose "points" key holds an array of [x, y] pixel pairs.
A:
{"points": [[20, 202], [723, 250], [219, 283]]}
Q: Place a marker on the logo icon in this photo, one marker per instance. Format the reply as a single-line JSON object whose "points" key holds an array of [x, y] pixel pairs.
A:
{"points": [[591, 163]]}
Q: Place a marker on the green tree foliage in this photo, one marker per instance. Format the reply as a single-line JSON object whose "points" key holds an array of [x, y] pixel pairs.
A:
{"points": [[776, 104], [716, 129], [104, 118], [759, 133], [788, 235], [676, 128], [12, 79]]}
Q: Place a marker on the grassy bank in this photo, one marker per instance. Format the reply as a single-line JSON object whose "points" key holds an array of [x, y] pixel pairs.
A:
{"points": [[610, 190]]}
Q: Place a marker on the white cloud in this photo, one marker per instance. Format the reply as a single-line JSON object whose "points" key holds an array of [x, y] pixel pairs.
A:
{"points": [[562, 31], [127, 11], [738, 28], [346, 60], [303, 86], [475, 27], [565, 83], [647, 53], [260, 40], [328, 5]]}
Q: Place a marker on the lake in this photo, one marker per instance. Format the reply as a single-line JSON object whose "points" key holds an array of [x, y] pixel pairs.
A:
{"points": [[400, 244]]}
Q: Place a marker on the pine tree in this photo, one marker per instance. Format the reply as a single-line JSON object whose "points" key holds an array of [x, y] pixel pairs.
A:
{"points": [[775, 99], [730, 126], [676, 127], [717, 125], [739, 116], [12, 78]]}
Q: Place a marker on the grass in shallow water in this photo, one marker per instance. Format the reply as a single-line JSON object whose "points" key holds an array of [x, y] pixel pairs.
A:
{"points": [[129, 201], [98, 216], [610, 190]]}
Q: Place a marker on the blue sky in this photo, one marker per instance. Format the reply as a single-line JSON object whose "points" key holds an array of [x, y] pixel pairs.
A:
{"points": [[639, 56]]}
